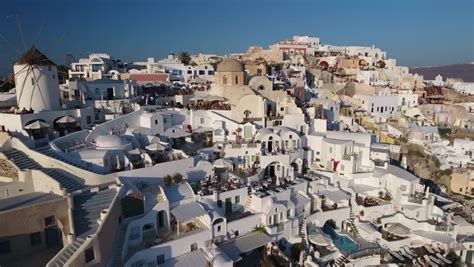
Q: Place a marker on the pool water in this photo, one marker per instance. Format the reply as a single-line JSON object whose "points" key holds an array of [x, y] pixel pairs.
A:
{"points": [[342, 242]]}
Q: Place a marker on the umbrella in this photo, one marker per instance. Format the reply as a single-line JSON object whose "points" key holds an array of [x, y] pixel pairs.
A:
{"points": [[155, 147], [203, 129], [37, 125], [135, 151], [66, 119], [222, 163]]}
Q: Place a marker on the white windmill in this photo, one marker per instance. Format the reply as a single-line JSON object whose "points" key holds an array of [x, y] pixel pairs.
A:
{"points": [[36, 79]]}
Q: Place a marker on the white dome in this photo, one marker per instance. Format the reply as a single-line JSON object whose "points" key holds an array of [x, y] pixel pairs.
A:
{"points": [[110, 142]]}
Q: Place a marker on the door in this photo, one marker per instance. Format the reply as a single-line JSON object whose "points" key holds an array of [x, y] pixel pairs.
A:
{"points": [[110, 93], [53, 237], [228, 205]]}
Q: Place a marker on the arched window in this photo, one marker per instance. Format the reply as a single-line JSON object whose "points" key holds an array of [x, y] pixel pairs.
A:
{"points": [[236, 79], [224, 80]]}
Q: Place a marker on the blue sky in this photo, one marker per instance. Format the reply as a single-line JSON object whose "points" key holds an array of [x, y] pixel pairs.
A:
{"points": [[415, 32]]}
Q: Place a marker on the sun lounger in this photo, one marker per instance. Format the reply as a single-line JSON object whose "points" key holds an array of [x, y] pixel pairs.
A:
{"points": [[406, 254], [441, 257], [429, 261], [436, 249], [429, 249], [396, 255], [410, 252], [435, 260]]}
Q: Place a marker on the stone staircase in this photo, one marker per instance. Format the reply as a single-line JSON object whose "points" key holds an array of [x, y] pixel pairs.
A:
{"points": [[86, 212], [118, 246], [66, 253], [87, 209], [303, 233], [48, 151], [352, 225], [22, 161]]}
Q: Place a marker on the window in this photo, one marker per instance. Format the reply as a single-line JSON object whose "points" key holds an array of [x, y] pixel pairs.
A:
{"points": [[224, 80], [288, 211], [165, 120], [54, 77], [219, 203], [5, 247], [202, 120], [270, 220], [210, 72], [219, 228], [237, 199], [90, 256], [156, 122], [48, 221], [160, 259], [32, 81], [190, 72], [201, 72], [194, 246], [236, 79], [330, 150], [236, 233], [88, 119], [35, 239]]}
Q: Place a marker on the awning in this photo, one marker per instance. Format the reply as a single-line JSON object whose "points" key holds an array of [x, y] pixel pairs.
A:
{"points": [[203, 130], [37, 125], [155, 147], [188, 211], [66, 119], [398, 229], [245, 243], [222, 163]]}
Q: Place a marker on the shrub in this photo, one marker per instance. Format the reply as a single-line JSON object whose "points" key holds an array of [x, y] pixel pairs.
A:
{"points": [[177, 178]]}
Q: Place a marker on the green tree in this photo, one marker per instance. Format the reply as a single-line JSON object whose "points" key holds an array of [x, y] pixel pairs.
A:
{"points": [[177, 178], [184, 57], [168, 179]]}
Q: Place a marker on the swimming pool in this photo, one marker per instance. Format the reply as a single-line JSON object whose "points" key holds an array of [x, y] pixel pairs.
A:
{"points": [[342, 242]]}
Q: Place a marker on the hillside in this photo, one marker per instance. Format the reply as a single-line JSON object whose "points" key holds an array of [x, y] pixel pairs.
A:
{"points": [[463, 71]]}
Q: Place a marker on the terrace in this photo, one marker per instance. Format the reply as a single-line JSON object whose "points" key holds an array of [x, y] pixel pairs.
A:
{"points": [[219, 183], [267, 187]]}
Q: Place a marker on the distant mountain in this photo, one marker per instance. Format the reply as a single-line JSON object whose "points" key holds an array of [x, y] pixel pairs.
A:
{"points": [[463, 71]]}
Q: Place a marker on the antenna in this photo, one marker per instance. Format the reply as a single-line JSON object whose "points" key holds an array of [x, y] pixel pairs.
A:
{"points": [[21, 32]]}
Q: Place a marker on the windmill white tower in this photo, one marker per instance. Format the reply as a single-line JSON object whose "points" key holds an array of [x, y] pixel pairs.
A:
{"points": [[36, 79]]}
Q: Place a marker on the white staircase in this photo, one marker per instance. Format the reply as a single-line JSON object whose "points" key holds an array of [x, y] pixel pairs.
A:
{"points": [[66, 253], [303, 233], [352, 225], [118, 247], [340, 261], [248, 202]]}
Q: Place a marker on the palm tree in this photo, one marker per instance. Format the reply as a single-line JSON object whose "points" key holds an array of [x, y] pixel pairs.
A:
{"points": [[184, 57], [247, 114]]}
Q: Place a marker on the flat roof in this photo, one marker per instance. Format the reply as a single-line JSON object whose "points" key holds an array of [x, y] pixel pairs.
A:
{"points": [[191, 259], [26, 200], [245, 243], [188, 211]]}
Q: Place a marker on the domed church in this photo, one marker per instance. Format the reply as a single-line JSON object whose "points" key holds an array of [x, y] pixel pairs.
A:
{"points": [[249, 99]]}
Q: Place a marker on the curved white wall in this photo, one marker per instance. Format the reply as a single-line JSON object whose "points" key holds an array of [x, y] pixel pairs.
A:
{"points": [[37, 87]]}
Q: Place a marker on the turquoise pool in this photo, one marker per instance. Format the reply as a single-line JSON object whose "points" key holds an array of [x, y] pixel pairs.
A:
{"points": [[342, 242]]}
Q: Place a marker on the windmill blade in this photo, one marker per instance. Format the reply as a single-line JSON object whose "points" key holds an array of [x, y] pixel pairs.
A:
{"points": [[39, 32], [18, 72], [10, 44], [54, 45], [37, 85], [23, 85], [21, 32]]}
